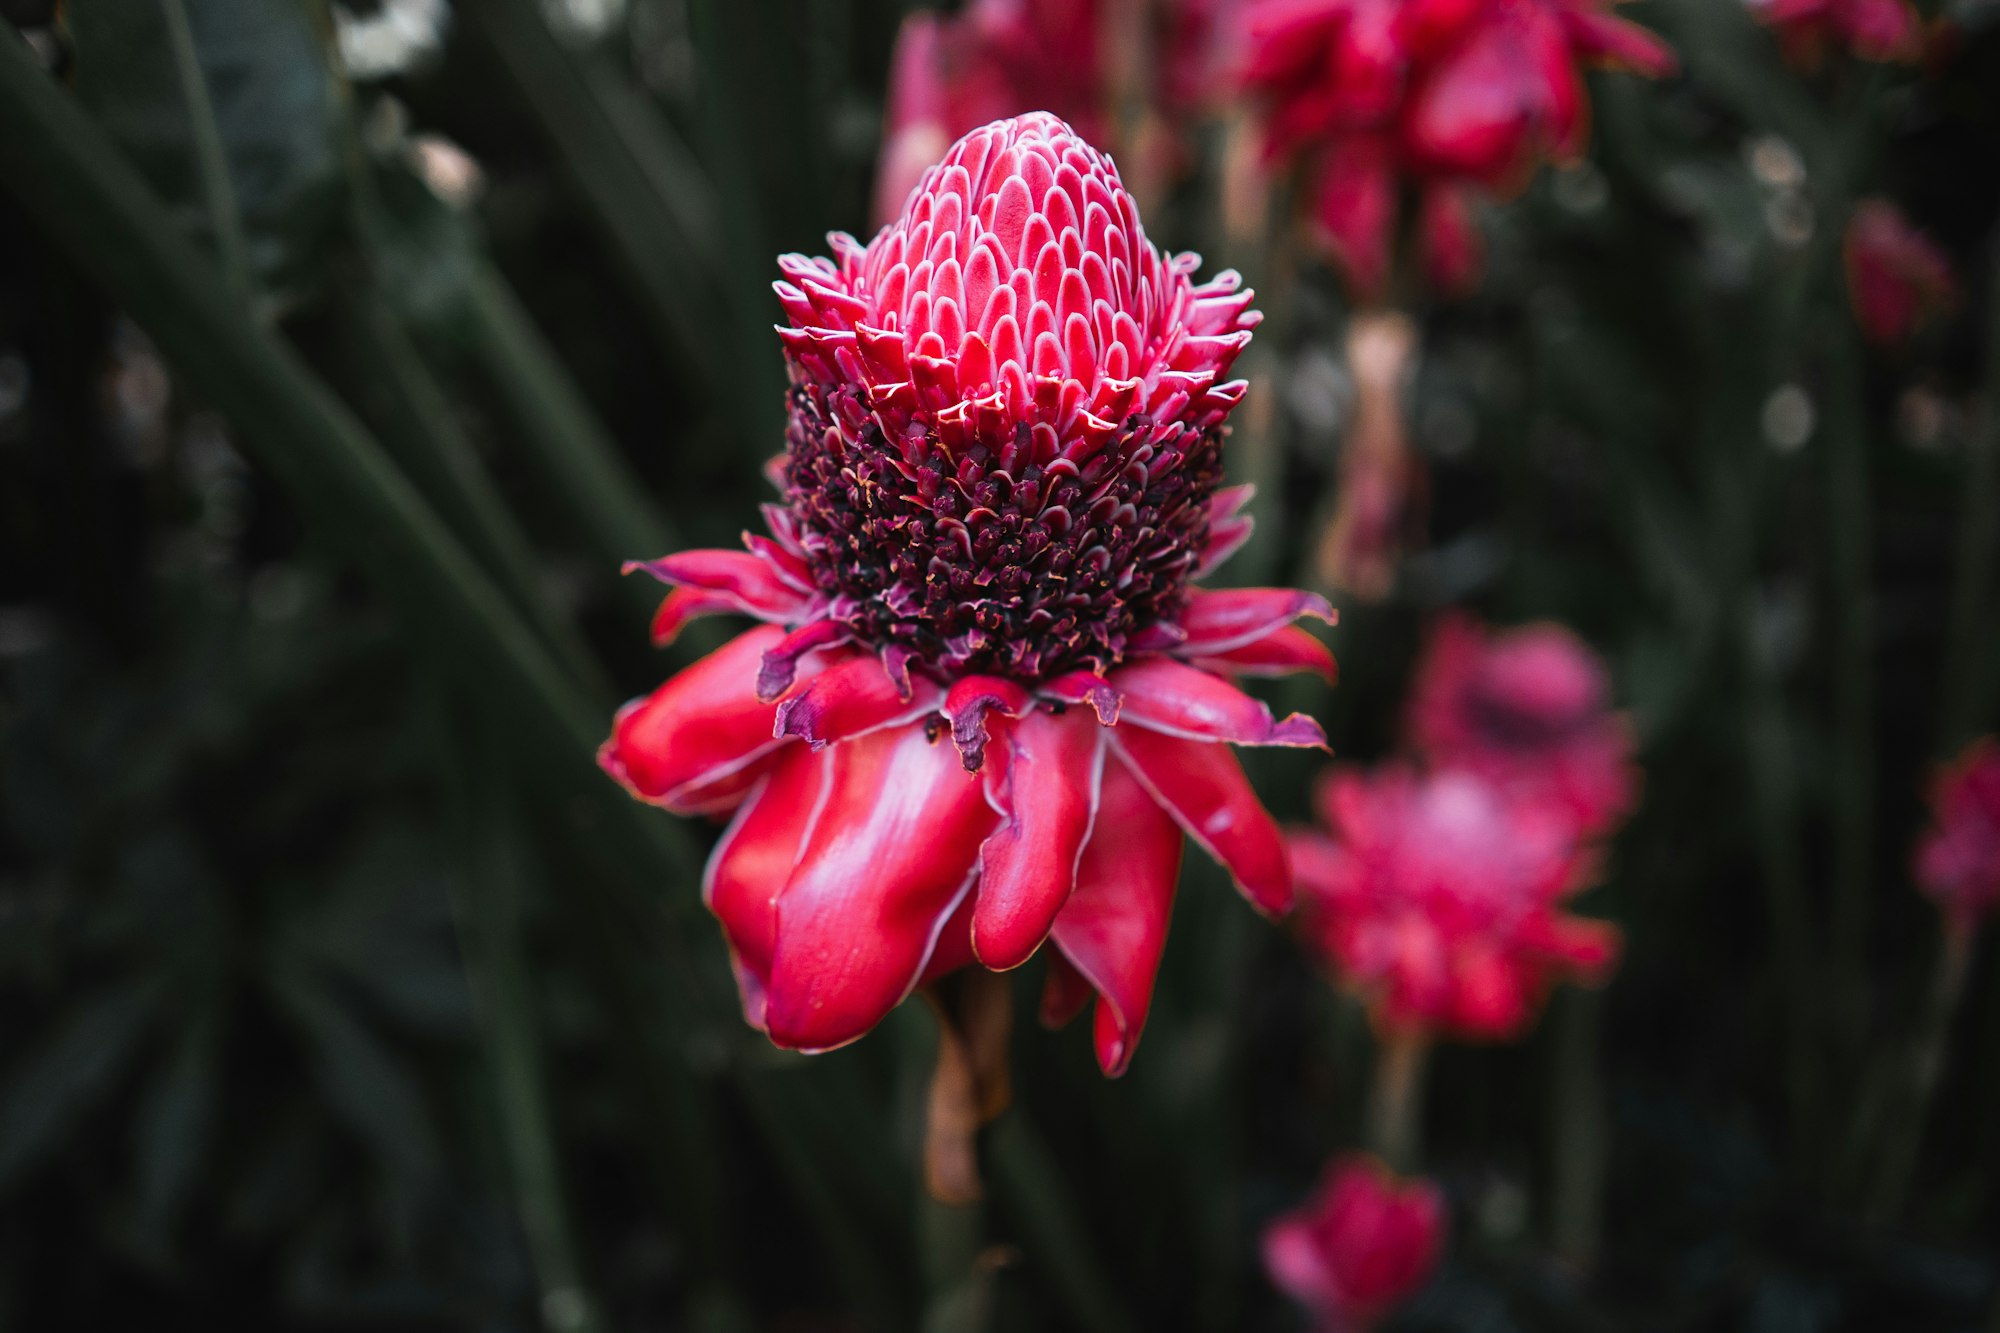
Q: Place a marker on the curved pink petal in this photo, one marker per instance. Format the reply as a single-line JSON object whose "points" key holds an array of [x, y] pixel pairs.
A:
{"points": [[1164, 695], [1617, 43], [751, 863], [702, 725], [1084, 687], [754, 585], [1065, 991], [849, 698], [1279, 653], [1227, 528], [681, 605], [887, 859], [1205, 790], [1114, 925], [1046, 788], [780, 665], [1217, 621], [966, 705]]}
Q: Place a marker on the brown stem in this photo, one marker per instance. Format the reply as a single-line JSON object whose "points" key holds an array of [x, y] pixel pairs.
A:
{"points": [[1379, 475], [1395, 1111]]}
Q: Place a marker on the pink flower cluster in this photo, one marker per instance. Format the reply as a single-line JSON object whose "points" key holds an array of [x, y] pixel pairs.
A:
{"points": [[1444, 98], [1880, 30], [1437, 889], [1896, 278], [1360, 1246], [1958, 859]]}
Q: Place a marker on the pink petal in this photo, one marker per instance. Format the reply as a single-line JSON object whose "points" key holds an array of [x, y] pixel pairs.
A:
{"points": [[1227, 528], [1278, 653], [849, 698], [1205, 790], [1084, 687], [681, 605], [751, 863], [1115, 923], [889, 855], [1617, 43], [753, 584], [1167, 696], [705, 723], [1046, 787], [1220, 620], [967, 704], [781, 661], [1064, 992]]}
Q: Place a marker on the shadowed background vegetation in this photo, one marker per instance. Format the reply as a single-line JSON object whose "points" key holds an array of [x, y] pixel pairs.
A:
{"points": [[341, 990]]}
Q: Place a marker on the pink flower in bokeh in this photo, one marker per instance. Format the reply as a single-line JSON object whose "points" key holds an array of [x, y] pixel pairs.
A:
{"points": [[1364, 1243], [1881, 30], [1445, 98], [1530, 709], [993, 59], [1896, 279], [1958, 858], [987, 701], [1437, 898]]}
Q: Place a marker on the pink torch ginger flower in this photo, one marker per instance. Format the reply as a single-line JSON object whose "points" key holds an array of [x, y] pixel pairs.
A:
{"points": [[1530, 709], [1360, 1246], [1879, 30], [1958, 859], [1437, 899], [1896, 279], [988, 700], [1451, 97]]}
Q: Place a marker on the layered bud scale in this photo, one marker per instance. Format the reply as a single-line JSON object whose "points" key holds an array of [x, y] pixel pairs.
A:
{"points": [[989, 700]]}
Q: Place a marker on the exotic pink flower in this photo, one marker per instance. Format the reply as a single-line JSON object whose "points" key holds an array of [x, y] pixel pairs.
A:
{"points": [[1437, 898], [988, 700], [1360, 1246], [1896, 279], [1958, 859], [1438, 95], [1529, 708], [1881, 30]]}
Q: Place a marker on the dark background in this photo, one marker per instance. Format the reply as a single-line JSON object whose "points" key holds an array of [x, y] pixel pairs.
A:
{"points": [[337, 990]]}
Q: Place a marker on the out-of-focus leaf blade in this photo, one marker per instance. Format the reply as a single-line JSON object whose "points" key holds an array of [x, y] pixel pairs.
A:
{"points": [[47, 1093]]}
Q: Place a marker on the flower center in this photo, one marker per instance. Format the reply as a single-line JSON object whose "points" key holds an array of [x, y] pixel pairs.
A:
{"points": [[996, 563]]}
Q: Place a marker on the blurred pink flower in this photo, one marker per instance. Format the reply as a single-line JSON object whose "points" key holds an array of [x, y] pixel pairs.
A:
{"points": [[1375, 96], [987, 700], [1529, 708], [1958, 858], [1896, 278], [1437, 898], [1360, 1246], [1881, 30]]}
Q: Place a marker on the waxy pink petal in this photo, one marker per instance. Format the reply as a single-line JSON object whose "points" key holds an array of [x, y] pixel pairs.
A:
{"points": [[1279, 653], [1163, 695], [1204, 788], [1045, 787], [705, 723], [754, 585], [751, 863], [966, 705], [849, 698], [888, 857], [1114, 926], [1224, 619]]}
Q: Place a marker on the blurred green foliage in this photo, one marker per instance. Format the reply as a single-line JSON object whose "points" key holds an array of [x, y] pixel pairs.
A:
{"points": [[343, 992]]}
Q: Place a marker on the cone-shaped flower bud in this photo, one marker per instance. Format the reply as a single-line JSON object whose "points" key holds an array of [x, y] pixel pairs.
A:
{"points": [[1896, 278], [1958, 860]]}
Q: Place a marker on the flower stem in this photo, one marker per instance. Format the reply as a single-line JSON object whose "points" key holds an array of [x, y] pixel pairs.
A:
{"points": [[1928, 1051], [1968, 675], [1395, 1108], [1848, 523], [1579, 1124]]}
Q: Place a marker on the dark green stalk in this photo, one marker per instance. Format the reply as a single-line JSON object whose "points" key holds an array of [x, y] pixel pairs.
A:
{"points": [[1396, 1101], [225, 222], [488, 895], [562, 438], [1053, 1232], [1848, 540], [416, 421], [1927, 1052], [643, 187], [1580, 1130], [1968, 673]]}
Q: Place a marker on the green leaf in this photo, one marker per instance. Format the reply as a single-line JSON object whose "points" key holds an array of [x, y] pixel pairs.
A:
{"points": [[229, 109], [56, 1084]]}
